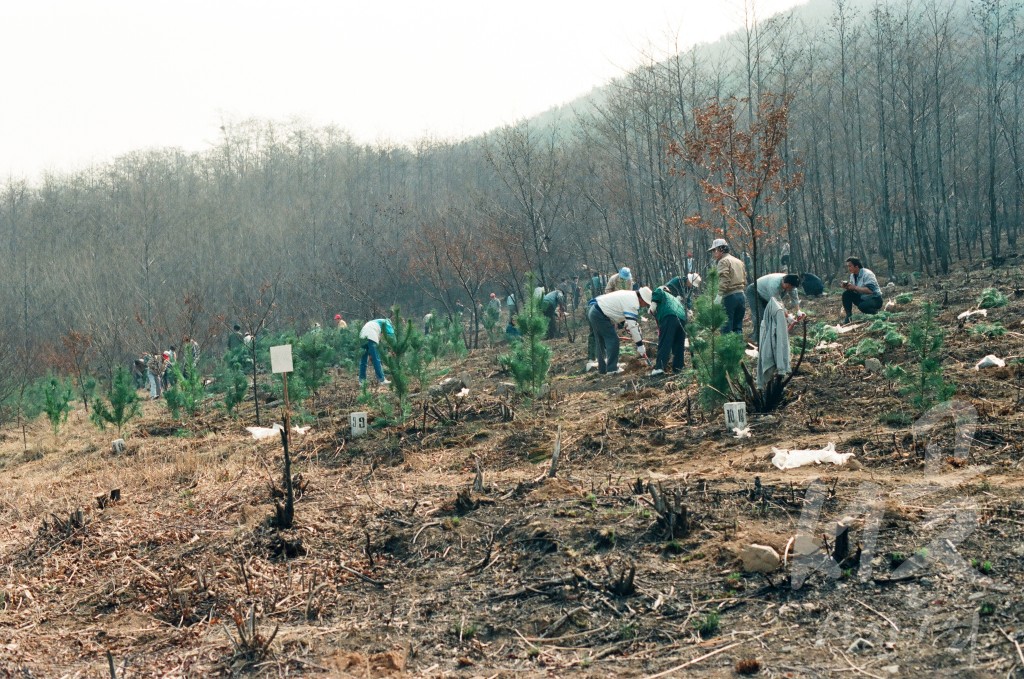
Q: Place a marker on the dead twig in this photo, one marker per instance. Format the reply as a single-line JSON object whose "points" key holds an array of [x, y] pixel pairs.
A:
{"points": [[881, 615], [425, 526], [1020, 654], [859, 670], [711, 654], [365, 578]]}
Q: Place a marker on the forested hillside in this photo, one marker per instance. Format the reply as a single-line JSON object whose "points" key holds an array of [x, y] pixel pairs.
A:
{"points": [[904, 129]]}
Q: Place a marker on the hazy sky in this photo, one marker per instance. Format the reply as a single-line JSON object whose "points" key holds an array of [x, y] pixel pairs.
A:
{"points": [[87, 80]]}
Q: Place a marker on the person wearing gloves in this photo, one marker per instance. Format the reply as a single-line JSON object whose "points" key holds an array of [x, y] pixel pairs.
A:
{"points": [[371, 333], [607, 311], [771, 286], [671, 316], [623, 280], [732, 277]]}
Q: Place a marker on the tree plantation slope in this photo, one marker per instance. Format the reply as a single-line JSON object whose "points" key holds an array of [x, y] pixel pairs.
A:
{"points": [[449, 549]]}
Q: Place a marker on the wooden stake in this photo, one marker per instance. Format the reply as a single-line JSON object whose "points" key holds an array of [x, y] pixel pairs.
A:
{"points": [[286, 514], [557, 453]]}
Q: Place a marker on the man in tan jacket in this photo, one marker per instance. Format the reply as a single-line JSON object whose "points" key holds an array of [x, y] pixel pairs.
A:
{"points": [[732, 279]]}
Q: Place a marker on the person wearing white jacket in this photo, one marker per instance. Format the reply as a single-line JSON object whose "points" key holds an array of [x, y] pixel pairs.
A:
{"points": [[607, 311], [371, 334]]}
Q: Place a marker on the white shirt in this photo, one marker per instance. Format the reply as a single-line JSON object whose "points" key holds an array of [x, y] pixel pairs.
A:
{"points": [[622, 306], [370, 331]]}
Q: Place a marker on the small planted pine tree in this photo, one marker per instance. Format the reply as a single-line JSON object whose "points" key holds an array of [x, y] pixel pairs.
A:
{"points": [[924, 382], [57, 403], [397, 357], [988, 330], [121, 406], [491, 317], [530, 358], [419, 358], [188, 391], [232, 383], [991, 298], [27, 403], [346, 345], [716, 357], [314, 356]]}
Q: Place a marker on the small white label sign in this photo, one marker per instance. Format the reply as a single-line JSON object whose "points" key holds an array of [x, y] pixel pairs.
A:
{"points": [[281, 358], [735, 415], [357, 421]]}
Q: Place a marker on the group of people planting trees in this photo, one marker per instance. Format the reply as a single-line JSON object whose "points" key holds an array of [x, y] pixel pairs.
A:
{"points": [[711, 312]]}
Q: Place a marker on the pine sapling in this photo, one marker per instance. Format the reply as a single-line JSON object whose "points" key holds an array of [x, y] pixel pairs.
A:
{"points": [[396, 357], [347, 346], [924, 382], [314, 356], [121, 404], [490, 320], [455, 343], [716, 356], [992, 298], [57, 405], [232, 382], [187, 390], [530, 358], [29, 403]]}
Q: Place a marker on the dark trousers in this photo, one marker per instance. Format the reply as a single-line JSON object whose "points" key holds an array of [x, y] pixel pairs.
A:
{"points": [[735, 309], [671, 341], [867, 304], [549, 311], [757, 309], [606, 340]]}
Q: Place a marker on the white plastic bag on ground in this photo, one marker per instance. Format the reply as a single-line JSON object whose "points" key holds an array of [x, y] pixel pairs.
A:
{"points": [[990, 361], [791, 459], [977, 312], [259, 433], [263, 432]]}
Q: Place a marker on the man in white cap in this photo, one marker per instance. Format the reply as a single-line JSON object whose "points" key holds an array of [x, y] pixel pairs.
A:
{"points": [[623, 280], [732, 280], [607, 311]]}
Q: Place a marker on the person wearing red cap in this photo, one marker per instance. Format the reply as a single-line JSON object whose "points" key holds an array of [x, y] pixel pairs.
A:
{"points": [[339, 322]]}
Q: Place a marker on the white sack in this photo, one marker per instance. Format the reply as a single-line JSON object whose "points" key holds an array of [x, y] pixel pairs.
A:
{"points": [[977, 312], [259, 433], [791, 459], [990, 361]]}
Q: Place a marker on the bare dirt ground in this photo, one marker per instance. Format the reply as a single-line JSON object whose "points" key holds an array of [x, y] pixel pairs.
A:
{"points": [[397, 566]]}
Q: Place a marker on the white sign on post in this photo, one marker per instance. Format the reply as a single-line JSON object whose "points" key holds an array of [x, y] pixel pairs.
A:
{"points": [[735, 415], [281, 359], [357, 421]]}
